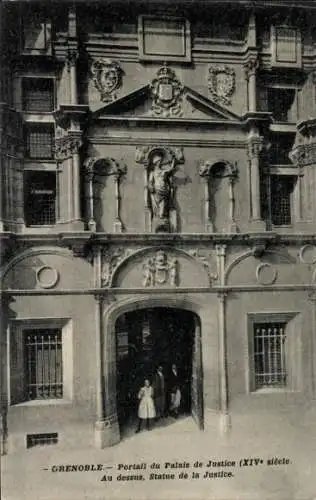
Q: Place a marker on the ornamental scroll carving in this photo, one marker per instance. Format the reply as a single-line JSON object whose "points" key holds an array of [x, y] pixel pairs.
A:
{"points": [[160, 269], [111, 259], [204, 259], [107, 77], [221, 84], [166, 92]]}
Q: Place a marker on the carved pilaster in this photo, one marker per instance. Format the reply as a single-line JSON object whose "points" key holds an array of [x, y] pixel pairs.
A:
{"points": [[250, 67], [255, 148], [225, 423]]}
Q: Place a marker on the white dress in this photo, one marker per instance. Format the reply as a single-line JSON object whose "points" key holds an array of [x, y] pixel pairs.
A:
{"points": [[146, 407]]}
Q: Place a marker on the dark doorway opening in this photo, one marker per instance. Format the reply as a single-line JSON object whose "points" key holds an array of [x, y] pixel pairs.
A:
{"points": [[147, 338]]}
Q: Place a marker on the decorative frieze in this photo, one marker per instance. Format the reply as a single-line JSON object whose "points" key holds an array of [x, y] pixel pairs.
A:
{"points": [[221, 84], [166, 92], [160, 269], [107, 77]]}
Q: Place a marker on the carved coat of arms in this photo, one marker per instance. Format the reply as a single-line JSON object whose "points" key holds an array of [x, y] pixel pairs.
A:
{"points": [[166, 92], [221, 84], [107, 76], [159, 269]]}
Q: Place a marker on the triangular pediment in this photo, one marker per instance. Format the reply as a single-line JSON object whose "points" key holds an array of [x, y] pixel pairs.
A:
{"points": [[139, 103]]}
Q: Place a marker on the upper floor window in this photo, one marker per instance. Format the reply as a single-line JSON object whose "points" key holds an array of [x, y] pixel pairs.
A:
{"points": [[281, 188], [38, 95], [39, 198], [280, 103], [39, 140], [281, 145], [35, 32]]}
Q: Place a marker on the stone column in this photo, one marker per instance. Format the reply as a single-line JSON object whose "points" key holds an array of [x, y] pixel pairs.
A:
{"points": [[19, 187], [107, 431], [312, 299], [250, 72], [118, 173], [205, 173], [89, 193], [255, 145], [225, 422], [72, 68]]}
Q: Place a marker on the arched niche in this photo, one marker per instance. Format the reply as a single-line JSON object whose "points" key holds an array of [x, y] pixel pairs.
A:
{"points": [[219, 177], [97, 172]]}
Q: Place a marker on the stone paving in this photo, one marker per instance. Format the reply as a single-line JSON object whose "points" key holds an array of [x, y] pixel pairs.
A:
{"points": [[28, 474]]}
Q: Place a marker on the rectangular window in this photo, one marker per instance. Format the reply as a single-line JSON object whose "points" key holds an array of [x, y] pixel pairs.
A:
{"points": [[38, 95], [269, 355], [281, 188], [281, 145], [280, 102], [39, 141], [41, 439], [43, 363], [39, 198]]}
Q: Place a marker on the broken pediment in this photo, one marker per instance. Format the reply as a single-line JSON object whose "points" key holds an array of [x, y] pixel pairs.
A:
{"points": [[165, 102]]}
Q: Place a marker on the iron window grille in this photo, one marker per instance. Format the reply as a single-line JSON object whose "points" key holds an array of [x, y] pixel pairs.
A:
{"points": [[281, 187], [38, 95], [40, 198], [39, 141], [269, 355], [41, 439], [43, 361]]}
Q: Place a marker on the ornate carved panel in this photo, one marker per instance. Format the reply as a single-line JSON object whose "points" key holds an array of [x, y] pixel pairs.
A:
{"points": [[107, 77], [166, 92], [221, 82], [160, 269]]}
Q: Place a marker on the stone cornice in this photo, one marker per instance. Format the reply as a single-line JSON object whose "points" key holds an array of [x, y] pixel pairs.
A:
{"points": [[85, 239]]}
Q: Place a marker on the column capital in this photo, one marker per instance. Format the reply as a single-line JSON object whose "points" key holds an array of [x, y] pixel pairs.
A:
{"points": [[68, 145], [255, 146], [251, 65], [221, 250]]}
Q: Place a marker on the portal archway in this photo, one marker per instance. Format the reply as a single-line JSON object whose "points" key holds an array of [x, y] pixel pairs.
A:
{"points": [[149, 337]]}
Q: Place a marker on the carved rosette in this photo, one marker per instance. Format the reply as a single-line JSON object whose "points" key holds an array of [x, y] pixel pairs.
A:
{"points": [[205, 260], [166, 92], [160, 269], [111, 259], [221, 84], [67, 146], [107, 77]]}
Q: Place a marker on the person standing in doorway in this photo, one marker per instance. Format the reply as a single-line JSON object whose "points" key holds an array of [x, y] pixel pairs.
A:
{"points": [[146, 408], [159, 392], [175, 393]]}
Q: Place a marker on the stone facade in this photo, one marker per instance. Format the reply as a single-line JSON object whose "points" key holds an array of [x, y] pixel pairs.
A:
{"points": [[164, 160]]}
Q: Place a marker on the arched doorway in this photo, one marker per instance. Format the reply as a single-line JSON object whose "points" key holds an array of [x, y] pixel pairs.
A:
{"points": [[152, 336]]}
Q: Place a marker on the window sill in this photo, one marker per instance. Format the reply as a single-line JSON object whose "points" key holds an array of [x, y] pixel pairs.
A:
{"points": [[273, 390], [44, 402]]}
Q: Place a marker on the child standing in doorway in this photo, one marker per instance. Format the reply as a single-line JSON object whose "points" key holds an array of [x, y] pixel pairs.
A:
{"points": [[146, 408]]}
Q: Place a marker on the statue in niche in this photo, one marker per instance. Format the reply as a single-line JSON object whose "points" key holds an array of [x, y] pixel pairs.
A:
{"points": [[161, 188]]}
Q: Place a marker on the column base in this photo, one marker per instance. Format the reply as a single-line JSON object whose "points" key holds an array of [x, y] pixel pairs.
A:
{"points": [[118, 226], [209, 227], [233, 228], [257, 226], [92, 226], [106, 432], [224, 424]]}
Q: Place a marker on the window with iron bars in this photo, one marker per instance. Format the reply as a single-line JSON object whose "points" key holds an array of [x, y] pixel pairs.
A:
{"points": [[280, 102], [39, 140], [269, 355], [281, 188], [39, 198], [43, 363], [38, 95]]}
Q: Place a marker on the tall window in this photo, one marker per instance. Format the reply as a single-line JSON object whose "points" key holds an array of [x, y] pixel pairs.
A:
{"points": [[38, 95], [43, 364], [280, 102], [39, 198], [269, 355], [39, 141], [281, 187]]}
